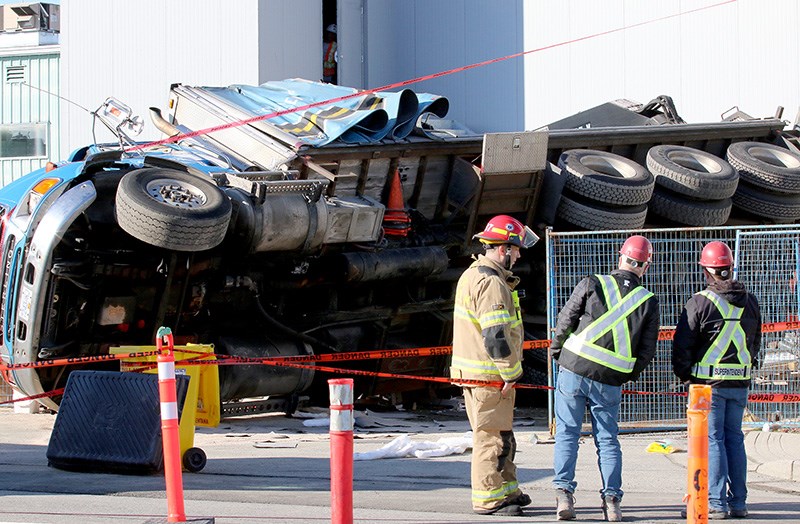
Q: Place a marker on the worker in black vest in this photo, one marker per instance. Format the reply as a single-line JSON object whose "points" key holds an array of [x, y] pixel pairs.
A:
{"points": [[605, 336], [717, 342]]}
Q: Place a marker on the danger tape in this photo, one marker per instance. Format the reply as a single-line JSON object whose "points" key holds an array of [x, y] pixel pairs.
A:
{"points": [[431, 351]]}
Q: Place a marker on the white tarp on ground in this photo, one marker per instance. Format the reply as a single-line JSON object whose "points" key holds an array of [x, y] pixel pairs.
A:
{"points": [[403, 446]]}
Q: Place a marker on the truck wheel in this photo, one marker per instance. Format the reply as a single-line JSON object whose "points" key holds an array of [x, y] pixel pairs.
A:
{"points": [[779, 208], [172, 209], [692, 172], [601, 217], [766, 165], [606, 177], [194, 460], [689, 212]]}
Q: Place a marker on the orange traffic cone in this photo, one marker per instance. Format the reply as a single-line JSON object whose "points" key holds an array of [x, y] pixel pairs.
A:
{"points": [[396, 221]]}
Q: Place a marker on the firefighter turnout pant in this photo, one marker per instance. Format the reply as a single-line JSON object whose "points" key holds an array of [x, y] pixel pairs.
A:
{"points": [[494, 475]]}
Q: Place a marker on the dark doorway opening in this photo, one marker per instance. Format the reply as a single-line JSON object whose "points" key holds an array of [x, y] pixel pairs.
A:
{"points": [[329, 42]]}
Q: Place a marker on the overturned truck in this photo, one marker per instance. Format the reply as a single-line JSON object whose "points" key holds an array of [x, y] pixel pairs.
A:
{"points": [[263, 242]]}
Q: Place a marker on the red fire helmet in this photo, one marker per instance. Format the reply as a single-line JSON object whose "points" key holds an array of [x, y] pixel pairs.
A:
{"points": [[504, 229]]}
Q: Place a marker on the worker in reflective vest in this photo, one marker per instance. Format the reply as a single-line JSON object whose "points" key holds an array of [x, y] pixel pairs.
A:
{"points": [[606, 335], [330, 55], [717, 340], [487, 346]]}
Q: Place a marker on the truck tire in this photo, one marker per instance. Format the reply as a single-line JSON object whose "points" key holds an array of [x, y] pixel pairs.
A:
{"points": [[766, 165], [172, 209], [606, 177], [777, 207], [689, 212], [601, 217], [692, 172]]}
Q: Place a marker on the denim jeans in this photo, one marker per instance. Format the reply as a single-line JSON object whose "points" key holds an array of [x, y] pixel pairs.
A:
{"points": [[573, 394], [727, 462]]}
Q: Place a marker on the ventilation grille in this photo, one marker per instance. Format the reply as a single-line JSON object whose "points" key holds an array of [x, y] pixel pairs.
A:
{"points": [[16, 74]]}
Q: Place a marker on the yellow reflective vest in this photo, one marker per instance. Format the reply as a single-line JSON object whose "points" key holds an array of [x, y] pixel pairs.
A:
{"points": [[487, 324]]}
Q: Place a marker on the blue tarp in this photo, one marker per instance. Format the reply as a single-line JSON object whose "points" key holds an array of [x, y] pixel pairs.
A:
{"points": [[360, 120]]}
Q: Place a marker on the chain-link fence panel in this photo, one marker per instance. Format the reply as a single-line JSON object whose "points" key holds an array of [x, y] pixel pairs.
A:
{"points": [[767, 263]]}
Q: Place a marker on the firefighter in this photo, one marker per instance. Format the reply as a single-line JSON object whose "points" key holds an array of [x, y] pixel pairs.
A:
{"points": [[487, 345], [606, 335], [717, 342]]}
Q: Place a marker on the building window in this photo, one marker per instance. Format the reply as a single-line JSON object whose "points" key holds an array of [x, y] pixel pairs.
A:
{"points": [[16, 74], [23, 140]]}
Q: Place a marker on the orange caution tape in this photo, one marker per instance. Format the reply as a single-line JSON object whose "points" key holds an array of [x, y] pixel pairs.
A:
{"points": [[664, 334]]}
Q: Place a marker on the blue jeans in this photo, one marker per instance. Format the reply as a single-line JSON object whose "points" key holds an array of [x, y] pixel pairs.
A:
{"points": [[573, 394], [727, 462]]}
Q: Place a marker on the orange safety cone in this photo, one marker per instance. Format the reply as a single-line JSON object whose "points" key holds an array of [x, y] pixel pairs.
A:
{"points": [[396, 221]]}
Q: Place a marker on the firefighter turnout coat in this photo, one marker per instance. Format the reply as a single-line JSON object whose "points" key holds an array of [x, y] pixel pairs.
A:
{"points": [[608, 329], [487, 324], [718, 336]]}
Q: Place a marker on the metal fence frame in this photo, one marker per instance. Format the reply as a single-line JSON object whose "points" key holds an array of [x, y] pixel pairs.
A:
{"points": [[767, 261]]}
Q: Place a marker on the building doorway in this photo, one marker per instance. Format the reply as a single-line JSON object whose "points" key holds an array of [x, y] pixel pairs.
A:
{"points": [[330, 58]]}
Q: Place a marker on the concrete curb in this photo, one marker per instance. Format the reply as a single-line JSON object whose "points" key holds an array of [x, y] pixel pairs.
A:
{"points": [[775, 454]]}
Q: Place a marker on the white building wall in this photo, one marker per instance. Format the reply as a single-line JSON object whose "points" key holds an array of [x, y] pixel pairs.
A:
{"points": [[290, 40], [135, 50], [709, 55], [415, 38], [742, 53]]}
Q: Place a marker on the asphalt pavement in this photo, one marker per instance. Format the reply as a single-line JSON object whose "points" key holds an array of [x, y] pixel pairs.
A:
{"points": [[276, 469]]}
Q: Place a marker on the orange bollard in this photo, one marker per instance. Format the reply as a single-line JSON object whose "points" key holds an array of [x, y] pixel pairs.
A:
{"points": [[341, 434], [697, 470], [169, 425]]}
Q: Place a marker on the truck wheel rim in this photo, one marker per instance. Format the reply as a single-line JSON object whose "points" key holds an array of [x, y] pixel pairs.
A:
{"points": [[175, 193]]}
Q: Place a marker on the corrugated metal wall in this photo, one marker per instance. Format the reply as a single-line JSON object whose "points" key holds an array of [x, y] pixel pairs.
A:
{"points": [[24, 104]]}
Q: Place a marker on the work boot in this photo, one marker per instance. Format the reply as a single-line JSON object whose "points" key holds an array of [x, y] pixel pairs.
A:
{"points": [[738, 513], [504, 509], [565, 505], [611, 509], [522, 500]]}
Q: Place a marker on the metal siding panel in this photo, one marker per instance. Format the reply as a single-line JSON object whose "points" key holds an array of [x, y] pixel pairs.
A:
{"points": [[708, 54], [704, 59], [652, 54], [441, 40], [204, 42], [547, 80], [493, 30], [391, 42], [350, 43], [278, 26], [708, 60], [767, 67], [596, 60], [23, 104]]}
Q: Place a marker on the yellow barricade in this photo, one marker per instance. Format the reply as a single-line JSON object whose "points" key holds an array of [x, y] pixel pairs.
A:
{"points": [[201, 406]]}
